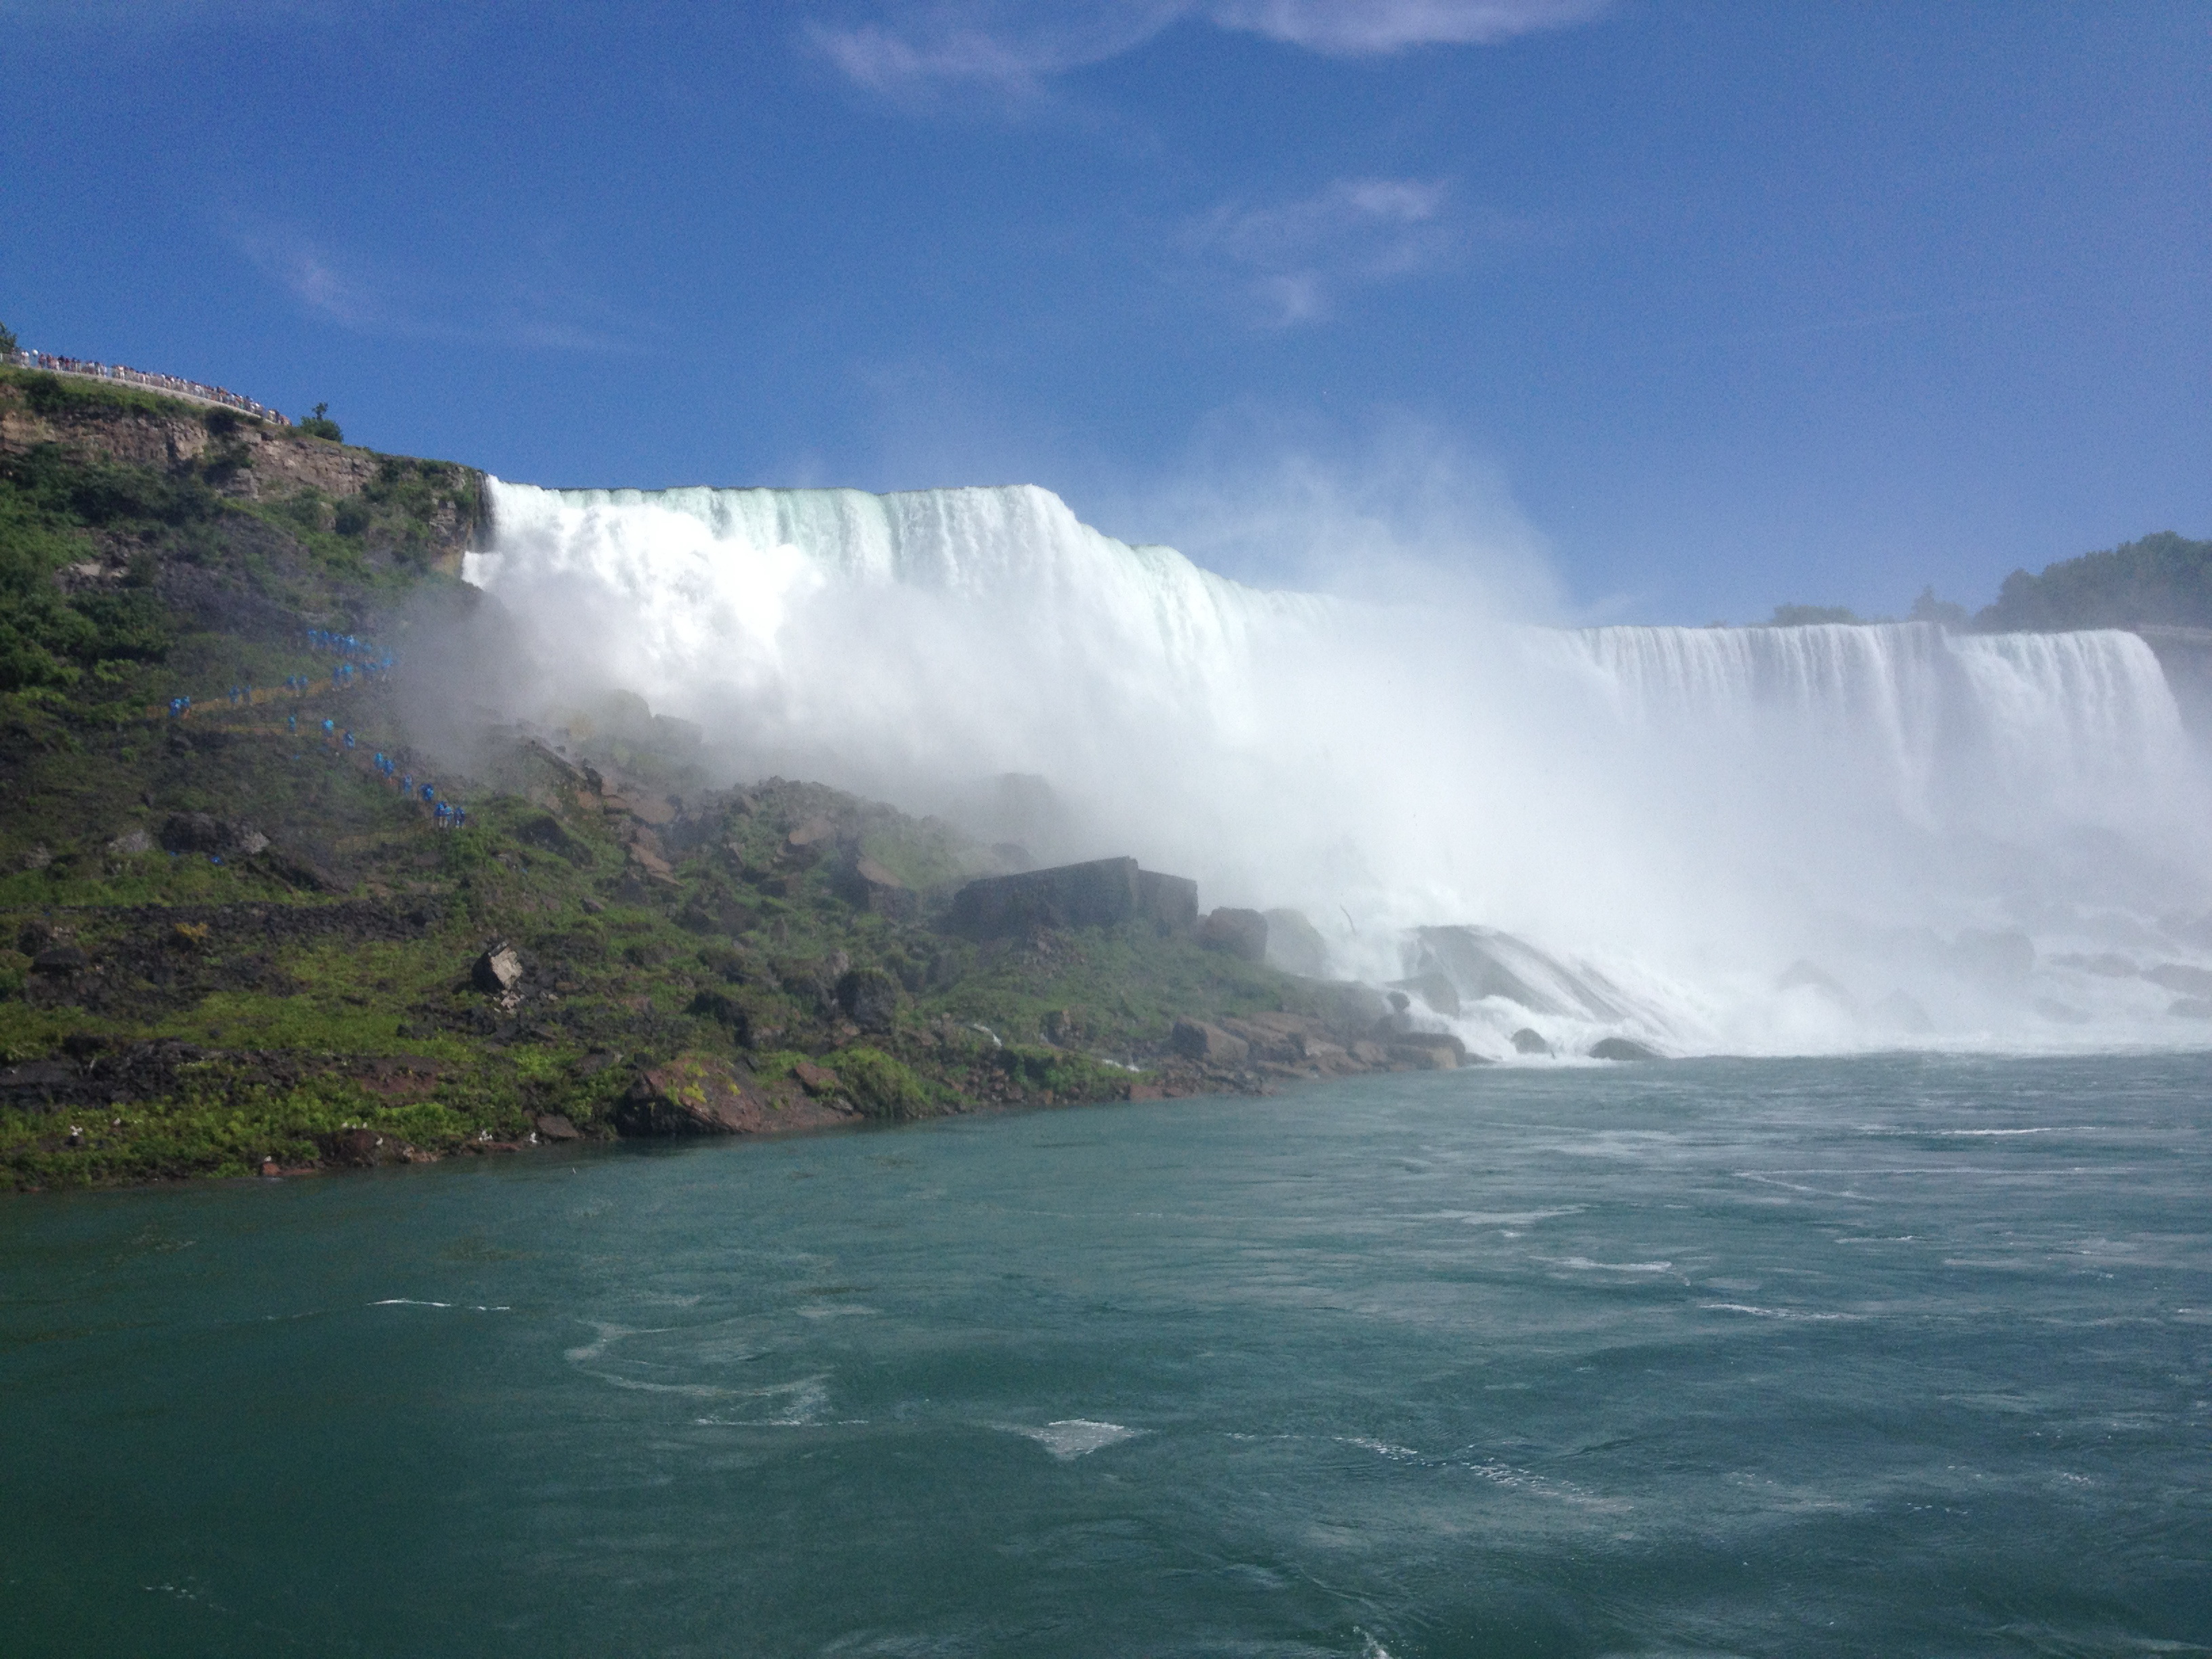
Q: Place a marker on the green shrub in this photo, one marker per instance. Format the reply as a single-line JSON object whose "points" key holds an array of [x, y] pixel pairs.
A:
{"points": [[880, 1087], [425, 1123]]}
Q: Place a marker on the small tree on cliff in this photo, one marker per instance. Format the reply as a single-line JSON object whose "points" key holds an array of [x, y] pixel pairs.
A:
{"points": [[319, 425], [7, 339]]}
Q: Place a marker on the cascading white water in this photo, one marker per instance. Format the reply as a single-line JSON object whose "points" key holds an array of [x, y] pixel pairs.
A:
{"points": [[1766, 838]]}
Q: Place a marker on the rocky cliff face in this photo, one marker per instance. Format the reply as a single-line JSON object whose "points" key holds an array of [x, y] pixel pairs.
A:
{"points": [[240, 458]]}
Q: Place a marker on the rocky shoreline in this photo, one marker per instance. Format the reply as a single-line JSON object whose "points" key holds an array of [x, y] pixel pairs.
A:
{"points": [[235, 937]]}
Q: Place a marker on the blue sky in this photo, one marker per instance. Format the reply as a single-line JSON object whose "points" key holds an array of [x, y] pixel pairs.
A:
{"points": [[1705, 307]]}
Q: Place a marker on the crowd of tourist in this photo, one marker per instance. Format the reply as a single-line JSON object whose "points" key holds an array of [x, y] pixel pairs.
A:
{"points": [[170, 383], [358, 658]]}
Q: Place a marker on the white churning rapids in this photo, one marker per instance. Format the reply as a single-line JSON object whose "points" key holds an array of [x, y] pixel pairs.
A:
{"points": [[1760, 840]]}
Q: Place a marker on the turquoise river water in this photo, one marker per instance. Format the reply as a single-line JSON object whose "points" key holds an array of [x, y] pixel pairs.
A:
{"points": [[1878, 1356]]}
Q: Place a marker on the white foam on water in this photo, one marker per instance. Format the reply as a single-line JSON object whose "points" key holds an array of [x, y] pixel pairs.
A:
{"points": [[1754, 840], [1768, 1313], [1073, 1437], [1506, 1217], [1583, 1264], [805, 1399], [1381, 1448]]}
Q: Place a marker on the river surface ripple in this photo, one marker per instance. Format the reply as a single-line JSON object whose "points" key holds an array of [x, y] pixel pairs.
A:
{"points": [[1890, 1355]]}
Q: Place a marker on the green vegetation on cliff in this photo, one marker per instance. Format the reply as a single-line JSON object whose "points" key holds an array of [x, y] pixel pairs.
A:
{"points": [[229, 942], [2161, 580]]}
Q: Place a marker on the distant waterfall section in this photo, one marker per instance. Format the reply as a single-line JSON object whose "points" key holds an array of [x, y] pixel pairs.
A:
{"points": [[1759, 840], [170, 385]]}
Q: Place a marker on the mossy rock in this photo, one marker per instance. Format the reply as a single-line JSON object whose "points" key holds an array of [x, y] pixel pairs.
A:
{"points": [[881, 1086]]}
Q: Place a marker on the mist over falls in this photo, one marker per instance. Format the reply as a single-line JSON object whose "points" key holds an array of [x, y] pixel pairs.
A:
{"points": [[1731, 839]]}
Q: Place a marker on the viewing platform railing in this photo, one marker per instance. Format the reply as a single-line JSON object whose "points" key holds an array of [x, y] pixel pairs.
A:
{"points": [[168, 384]]}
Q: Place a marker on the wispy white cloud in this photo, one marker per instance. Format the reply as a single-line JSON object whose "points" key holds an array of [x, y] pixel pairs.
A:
{"points": [[1362, 28], [1011, 47], [1294, 257], [534, 307], [1015, 48], [309, 273]]}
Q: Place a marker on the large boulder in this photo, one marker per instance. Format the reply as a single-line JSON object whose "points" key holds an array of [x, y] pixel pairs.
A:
{"points": [[1102, 893], [1239, 933], [1622, 1049], [867, 885], [498, 970], [1169, 902], [1428, 1051], [1286, 1039], [1294, 944], [1194, 1039], [693, 1094], [201, 832], [870, 997]]}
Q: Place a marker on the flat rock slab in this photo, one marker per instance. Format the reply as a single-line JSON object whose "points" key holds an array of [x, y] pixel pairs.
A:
{"points": [[701, 1095], [1102, 893]]}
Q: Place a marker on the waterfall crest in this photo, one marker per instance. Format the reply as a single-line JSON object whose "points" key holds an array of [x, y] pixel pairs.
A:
{"points": [[1765, 838]]}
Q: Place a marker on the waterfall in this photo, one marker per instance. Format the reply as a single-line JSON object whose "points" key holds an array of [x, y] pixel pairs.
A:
{"points": [[1764, 838]]}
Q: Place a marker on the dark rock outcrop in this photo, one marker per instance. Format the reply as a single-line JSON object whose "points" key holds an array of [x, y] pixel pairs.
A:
{"points": [[1239, 933], [498, 970], [1622, 1049], [351, 1149], [720, 1007], [867, 885], [1169, 902], [1102, 893], [1195, 1039], [870, 997], [202, 832], [1429, 1051], [693, 1094], [1526, 1041]]}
